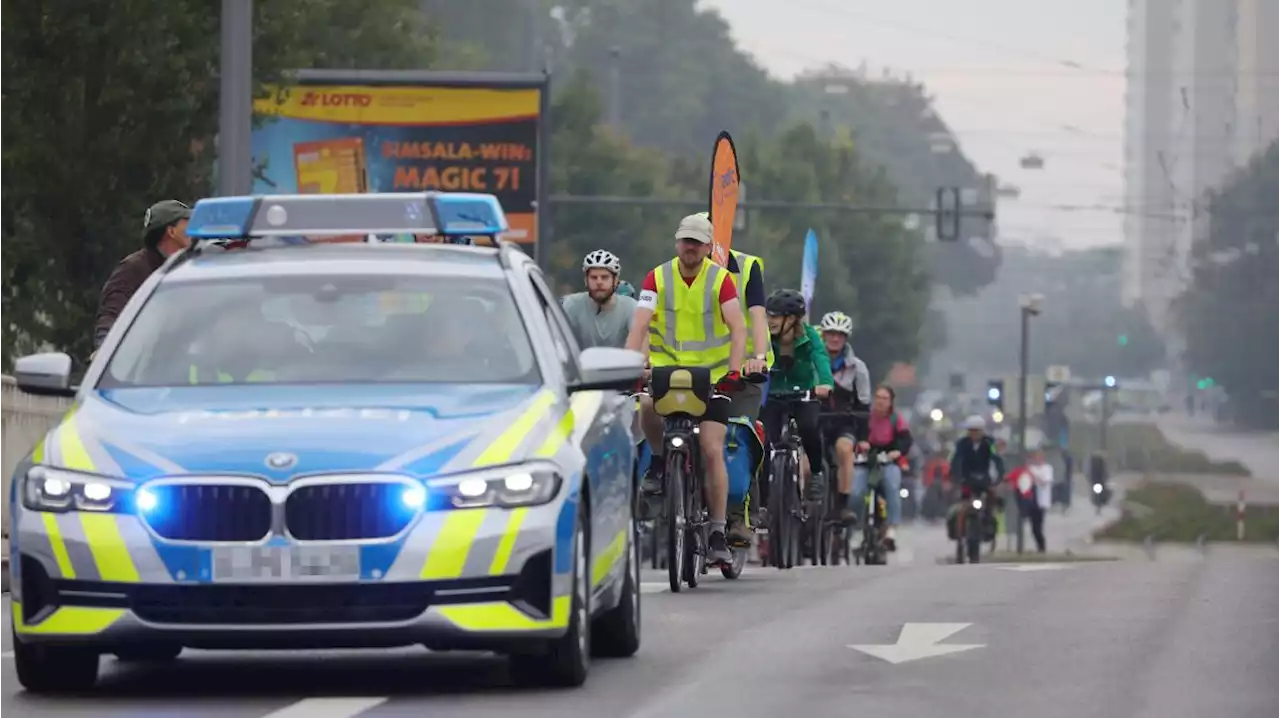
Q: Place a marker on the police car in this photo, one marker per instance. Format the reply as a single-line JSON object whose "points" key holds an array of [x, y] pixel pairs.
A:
{"points": [[305, 444]]}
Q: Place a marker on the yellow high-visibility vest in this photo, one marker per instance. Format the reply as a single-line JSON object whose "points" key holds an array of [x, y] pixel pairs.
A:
{"points": [[688, 328], [745, 263], [193, 375]]}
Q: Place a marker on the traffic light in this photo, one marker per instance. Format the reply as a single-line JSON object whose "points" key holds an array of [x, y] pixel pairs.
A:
{"points": [[1205, 383], [995, 394], [1122, 340], [1110, 381]]}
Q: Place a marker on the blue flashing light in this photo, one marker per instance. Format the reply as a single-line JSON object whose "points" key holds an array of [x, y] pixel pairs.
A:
{"points": [[145, 501], [222, 218], [463, 214], [414, 497]]}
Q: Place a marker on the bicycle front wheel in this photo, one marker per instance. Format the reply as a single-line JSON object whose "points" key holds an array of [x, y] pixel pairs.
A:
{"points": [[677, 519]]}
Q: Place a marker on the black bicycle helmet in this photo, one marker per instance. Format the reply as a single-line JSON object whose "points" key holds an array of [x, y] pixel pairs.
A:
{"points": [[785, 303]]}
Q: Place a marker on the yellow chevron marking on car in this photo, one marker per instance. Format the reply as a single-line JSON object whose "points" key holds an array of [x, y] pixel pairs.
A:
{"points": [[74, 455], [69, 620], [502, 616], [608, 557], [37, 454], [448, 553], [557, 437], [110, 553], [582, 407], [502, 556], [58, 545], [506, 444]]}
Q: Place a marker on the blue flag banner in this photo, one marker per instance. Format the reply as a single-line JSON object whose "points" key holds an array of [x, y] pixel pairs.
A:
{"points": [[809, 271]]}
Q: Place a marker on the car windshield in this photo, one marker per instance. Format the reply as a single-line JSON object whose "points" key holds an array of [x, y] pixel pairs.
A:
{"points": [[325, 329]]}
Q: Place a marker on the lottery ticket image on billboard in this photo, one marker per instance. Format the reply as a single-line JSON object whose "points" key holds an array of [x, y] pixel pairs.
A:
{"points": [[331, 166], [381, 138]]}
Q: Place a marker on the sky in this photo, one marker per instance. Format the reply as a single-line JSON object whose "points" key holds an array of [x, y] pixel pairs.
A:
{"points": [[1008, 76]]}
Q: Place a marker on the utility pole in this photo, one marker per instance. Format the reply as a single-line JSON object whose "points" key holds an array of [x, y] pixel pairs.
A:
{"points": [[235, 102], [1029, 306]]}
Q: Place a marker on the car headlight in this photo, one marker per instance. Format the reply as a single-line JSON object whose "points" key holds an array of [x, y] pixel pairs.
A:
{"points": [[506, 487], [49, 489]]}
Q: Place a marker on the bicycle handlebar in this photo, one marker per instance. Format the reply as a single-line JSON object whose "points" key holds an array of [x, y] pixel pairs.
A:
{"points": [[882, 458]]}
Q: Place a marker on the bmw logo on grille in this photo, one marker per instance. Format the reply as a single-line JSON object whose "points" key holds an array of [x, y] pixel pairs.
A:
{"points": [[281, 460]]}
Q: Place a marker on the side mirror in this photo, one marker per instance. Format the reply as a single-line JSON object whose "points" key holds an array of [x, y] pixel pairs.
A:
{"points": [[44, 374], [606, 368]]}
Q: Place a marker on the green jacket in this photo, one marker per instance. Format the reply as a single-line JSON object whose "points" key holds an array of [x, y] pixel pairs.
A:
{"points": [[812, 366]]}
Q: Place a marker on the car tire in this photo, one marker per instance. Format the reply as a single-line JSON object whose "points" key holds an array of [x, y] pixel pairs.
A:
{"points": [[616, 634], [156, 653], [54, 669], [568, 659]]}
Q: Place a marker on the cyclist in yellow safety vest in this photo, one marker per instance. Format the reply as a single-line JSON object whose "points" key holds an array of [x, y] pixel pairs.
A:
{"points": [[690, 314], [748, 273]]}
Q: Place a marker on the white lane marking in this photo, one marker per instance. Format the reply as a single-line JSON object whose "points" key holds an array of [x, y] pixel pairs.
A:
{"points": [[1023, 567], [919, 640], [327, 708]]}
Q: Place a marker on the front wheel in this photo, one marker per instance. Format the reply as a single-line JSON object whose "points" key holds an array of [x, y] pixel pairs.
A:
{"points": [[779, 519], [54, 669], [677, 519]]}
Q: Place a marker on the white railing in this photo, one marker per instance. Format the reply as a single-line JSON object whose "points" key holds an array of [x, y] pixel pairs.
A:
{"points": [[26, 419]]}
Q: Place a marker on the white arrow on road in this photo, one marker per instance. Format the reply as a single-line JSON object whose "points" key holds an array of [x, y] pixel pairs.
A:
{"points": [[1035, 567], [919, 640]]}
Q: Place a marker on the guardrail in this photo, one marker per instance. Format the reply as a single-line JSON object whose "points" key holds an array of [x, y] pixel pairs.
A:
{"points": [[26, 419]]}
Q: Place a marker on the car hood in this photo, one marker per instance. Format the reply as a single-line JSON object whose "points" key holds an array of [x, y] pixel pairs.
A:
{"points": [[140, 433]]}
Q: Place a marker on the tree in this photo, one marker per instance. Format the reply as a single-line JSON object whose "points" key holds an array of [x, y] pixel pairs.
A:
{"points": [[1229, 312], [110, 107]]}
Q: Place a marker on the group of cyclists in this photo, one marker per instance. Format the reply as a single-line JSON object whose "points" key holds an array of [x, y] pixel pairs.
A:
{"points": [[692, 312]]}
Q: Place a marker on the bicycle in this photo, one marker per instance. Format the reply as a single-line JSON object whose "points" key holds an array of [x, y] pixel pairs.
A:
{"points": [[785, 501], [682, 396], [872, 551], [975, 520], [836, 540]]}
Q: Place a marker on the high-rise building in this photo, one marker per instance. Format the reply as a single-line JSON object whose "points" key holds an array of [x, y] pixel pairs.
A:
{"points": [[1257, 70], [1200, 100]]}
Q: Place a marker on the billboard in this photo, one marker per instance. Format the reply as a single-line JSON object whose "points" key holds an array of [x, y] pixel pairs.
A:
{"points": [[337, 132]]}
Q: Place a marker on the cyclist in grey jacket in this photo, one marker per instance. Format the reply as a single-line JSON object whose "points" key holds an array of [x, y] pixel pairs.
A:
{"points": [[852, 394]]}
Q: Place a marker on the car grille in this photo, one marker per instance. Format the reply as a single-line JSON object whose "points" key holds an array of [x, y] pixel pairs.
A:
{"points": [[247, 605], [210, 512], [347, 512]]}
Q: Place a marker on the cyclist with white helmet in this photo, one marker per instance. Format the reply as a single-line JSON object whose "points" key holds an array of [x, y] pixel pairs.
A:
{"points": [[852, 394], [600, 317]]}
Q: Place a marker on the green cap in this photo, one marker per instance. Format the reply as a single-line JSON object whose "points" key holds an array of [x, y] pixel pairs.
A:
{"points": [[163, 214]]}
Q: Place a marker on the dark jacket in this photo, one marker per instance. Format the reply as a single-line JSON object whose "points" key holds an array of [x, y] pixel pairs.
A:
{"points": [[969, 460], [124, 281]]}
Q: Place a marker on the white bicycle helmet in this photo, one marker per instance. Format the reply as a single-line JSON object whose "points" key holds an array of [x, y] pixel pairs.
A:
{"points": [[975, 423], [837, 322], [602, 259]]}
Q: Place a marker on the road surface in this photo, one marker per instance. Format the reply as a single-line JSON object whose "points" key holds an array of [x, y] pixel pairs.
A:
{"points": [[1132, 639]]}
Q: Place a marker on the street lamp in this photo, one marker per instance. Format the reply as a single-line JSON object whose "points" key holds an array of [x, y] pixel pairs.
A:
{"points": [[1030, 306]]}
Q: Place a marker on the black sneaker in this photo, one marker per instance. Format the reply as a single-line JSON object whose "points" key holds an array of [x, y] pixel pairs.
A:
{"points": [[718, 553]]}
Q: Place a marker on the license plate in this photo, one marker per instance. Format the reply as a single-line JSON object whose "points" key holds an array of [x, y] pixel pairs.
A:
{"points": [[236, 564]]}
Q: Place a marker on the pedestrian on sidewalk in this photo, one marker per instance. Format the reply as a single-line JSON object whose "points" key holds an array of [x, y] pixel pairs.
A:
{"points": [[1041, 475]]}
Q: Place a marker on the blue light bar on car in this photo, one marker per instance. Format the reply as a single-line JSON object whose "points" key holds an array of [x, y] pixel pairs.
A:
{"points": [[450, 214], [466, 214], [221, 217]]}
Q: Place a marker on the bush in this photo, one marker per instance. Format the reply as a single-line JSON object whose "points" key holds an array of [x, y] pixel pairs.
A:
{"points": [[1180, 513]]}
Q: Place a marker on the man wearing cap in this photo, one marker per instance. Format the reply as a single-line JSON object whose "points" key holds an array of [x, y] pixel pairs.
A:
{"points": [[690, 313], [164, 233]]}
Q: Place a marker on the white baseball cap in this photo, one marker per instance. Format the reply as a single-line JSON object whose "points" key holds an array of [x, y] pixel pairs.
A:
{"points": [[696, 227]]}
